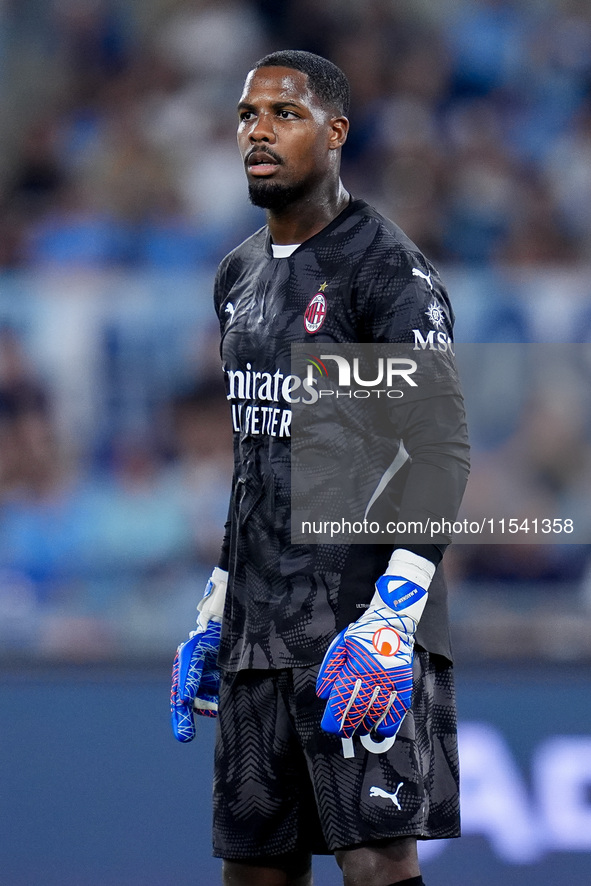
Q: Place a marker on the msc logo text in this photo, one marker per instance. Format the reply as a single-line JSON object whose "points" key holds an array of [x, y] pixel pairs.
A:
{"points": [[433, 341]]}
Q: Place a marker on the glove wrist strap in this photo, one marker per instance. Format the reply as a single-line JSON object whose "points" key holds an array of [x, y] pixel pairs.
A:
{"points": [[407, 565], [404, 586], [212, 604]]}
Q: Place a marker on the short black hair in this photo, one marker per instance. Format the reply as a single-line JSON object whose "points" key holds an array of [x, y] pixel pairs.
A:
{"points": [[327, 81]]}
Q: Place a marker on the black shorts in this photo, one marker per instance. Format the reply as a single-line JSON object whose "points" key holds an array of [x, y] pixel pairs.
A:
{"points": [[282, 785]]}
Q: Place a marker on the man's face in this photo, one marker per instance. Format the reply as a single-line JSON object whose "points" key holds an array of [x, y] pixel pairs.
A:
{"points": [[284, 135]]}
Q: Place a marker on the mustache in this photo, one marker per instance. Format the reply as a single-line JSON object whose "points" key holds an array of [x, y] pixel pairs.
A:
{"points": [[267, 151]]}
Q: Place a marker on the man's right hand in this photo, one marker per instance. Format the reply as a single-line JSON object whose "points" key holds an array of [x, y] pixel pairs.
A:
{"points": [[195, 673]]}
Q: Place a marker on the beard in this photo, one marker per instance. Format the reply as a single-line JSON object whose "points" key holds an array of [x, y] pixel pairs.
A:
{"points": [[270, 195]]}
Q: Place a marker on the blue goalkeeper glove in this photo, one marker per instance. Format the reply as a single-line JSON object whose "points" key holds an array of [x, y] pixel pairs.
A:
{"points": [[366, 674], [195, 674]]}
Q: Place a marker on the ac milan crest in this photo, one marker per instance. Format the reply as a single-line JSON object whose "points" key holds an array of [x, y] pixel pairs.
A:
{"points": [[316, 311]]}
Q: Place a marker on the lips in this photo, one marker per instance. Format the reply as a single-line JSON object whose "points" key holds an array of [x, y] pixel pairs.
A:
{"points": [[261, 163]]}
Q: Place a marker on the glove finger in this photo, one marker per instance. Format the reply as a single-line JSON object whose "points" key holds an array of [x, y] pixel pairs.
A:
{"points": [[333, 662], [210, 675], [213, 635], [344, 711], [377, 708], [391, 723], [183, 726], [390, 729], [189, 653], [189, 689], [209, 684], [394, 713], [331, 721], [174, 684]]}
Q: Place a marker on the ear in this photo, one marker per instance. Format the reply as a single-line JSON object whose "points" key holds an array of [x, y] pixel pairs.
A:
{"points": [[339, 128]]}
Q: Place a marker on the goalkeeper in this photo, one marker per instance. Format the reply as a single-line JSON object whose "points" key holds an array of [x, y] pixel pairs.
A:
{"points": [[331, 662]]}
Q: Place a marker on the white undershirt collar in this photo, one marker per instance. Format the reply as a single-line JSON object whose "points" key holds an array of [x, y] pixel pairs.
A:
{"points": [[282, 251]]}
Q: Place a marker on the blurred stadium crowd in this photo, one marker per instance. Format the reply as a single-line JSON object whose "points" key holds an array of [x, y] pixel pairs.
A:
{"points": [[120, 190]]}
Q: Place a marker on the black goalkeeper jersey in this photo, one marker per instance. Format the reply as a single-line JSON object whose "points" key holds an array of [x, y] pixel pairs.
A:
{"points": [[360, 279]]}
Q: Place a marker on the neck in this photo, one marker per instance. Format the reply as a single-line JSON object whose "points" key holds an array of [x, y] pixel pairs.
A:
{"points": [[306, 217]]}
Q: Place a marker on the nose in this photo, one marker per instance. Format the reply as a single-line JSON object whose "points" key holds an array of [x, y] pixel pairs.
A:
{"points": [[262, 129]]}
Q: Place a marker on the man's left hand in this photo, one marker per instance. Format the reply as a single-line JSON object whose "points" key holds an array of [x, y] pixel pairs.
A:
{"points": [[366, 674]]}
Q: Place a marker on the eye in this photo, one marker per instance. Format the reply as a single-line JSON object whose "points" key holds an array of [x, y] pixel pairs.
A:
{"points": [[243, 116], [285, 114]]}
